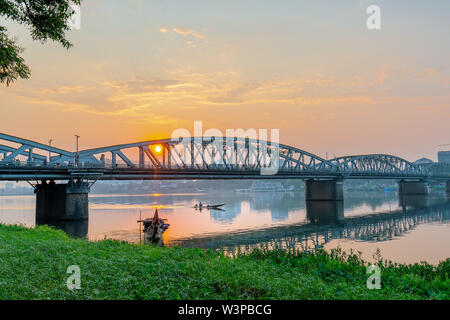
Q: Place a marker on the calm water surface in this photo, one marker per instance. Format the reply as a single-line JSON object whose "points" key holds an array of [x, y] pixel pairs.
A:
{"points": [[406, 230]]}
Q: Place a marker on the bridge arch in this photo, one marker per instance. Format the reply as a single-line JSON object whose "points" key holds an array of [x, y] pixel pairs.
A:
{"points": [[377, 164], [210, 153], [216, 153], [31, 152]]}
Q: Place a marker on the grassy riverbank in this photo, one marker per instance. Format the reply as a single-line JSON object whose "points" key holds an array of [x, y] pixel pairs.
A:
{"points": [[33, 264]]}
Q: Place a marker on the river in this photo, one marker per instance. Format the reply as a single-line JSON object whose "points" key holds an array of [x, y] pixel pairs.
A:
{"points": [[406, 230]]}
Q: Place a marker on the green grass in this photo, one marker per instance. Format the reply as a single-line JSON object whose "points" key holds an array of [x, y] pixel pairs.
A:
{"points": [[33, 264]]}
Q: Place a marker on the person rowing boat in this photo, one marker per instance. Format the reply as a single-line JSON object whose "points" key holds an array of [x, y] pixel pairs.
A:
{"points": [[201, 206]]}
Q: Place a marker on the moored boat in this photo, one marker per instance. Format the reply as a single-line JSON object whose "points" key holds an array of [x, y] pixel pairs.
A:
{"points": [[153, 228]]}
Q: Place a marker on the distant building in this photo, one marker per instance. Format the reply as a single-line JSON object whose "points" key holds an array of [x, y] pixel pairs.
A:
{"points": [[423, 161], [444, 156]]}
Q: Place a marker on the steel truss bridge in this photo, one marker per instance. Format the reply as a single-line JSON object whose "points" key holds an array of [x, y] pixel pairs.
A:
{"points": [[198, 158]]}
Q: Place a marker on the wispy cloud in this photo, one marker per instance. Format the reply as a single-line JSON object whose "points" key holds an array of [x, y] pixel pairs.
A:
{"points": [[146, 97], [186, 32]]}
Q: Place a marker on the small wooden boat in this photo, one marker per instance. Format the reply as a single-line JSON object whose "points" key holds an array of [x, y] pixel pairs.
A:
{"points": [[208, 206], [154, 228]]}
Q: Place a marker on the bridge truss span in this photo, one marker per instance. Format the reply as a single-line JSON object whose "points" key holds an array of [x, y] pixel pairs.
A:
{"points": [[19, 152], [378, 165], [210, 153], [200, 158]]}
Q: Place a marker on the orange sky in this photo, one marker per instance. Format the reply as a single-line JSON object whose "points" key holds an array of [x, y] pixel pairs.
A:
{"points": [[141, 69]]}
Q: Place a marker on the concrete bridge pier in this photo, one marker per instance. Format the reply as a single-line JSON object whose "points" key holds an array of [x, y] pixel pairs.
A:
{"points": [[62, 202], [324, 190], [413, 188], [414, 201], [325, 212], [73, 228]]}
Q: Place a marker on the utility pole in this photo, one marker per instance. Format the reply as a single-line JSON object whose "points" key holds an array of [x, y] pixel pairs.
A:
{"points": [[49, 152], [77, 137], [76, 154]]}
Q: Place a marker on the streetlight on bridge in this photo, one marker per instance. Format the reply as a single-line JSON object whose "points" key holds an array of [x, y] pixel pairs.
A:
{"points": [[76, 154], [49, 152]]}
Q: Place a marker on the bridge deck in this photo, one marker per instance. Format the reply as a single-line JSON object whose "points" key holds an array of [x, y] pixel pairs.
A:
{"points": [[22, 173]]}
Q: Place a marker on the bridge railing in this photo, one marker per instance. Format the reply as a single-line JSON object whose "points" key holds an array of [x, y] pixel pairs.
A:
{"points": [[107, 163]]}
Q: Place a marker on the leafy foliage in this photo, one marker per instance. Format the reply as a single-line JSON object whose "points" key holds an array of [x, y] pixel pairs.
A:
{"points": [[12, 64], [46, 19]]}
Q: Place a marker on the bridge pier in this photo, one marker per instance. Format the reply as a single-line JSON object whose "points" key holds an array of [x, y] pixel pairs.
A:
{"points": [[413, 188], [325, 212], [414, 201], [324, 190], [447, 188], [61, 202], [73, 228]]}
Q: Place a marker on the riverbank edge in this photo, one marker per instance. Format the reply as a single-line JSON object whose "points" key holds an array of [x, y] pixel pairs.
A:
{"points": [[35, 264]]}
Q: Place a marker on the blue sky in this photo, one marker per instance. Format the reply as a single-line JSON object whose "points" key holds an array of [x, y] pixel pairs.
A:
{"points": [[140, 69]]}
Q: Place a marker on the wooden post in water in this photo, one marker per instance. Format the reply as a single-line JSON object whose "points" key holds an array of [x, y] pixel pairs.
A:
{"points": [[140, 226]]}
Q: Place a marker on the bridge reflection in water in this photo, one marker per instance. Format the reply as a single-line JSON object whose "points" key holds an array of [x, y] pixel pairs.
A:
{"points": [[326, 222]]}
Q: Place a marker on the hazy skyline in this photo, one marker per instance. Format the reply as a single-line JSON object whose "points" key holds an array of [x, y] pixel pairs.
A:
{"points": [[141, 69]]}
